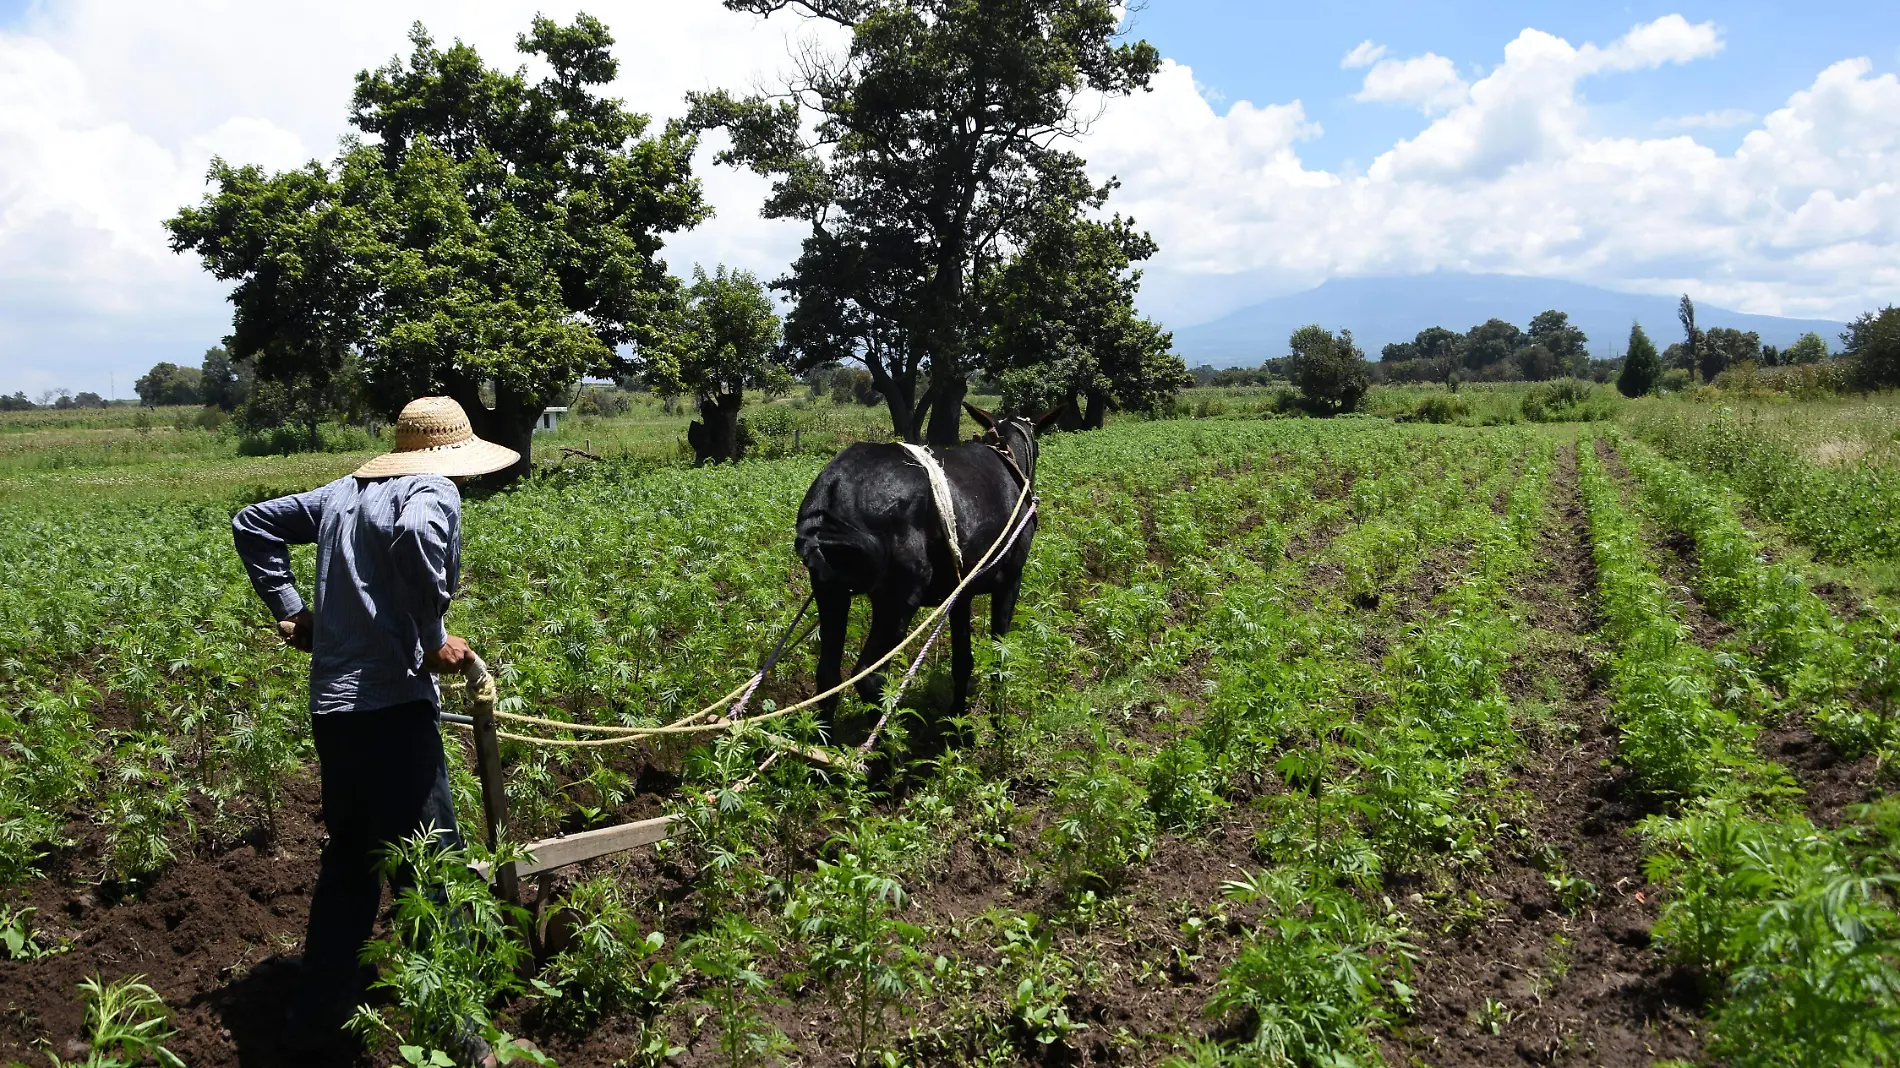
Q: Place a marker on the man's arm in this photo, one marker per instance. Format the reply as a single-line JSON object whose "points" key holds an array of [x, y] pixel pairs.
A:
{"points": [[424, 554], [264, 533]]}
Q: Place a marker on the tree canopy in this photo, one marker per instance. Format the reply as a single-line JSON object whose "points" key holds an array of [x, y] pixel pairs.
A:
{"points": [[931, 155], [1872, 342], [495, 231], [168, 383], [727, 343], [1061, 329], [1328, 369]]}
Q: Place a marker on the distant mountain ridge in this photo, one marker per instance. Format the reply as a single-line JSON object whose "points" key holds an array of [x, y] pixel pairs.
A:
{"points": [[1383, 310]]}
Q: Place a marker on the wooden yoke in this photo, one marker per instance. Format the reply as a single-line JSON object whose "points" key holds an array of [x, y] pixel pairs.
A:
{"points": [[481, 707]]}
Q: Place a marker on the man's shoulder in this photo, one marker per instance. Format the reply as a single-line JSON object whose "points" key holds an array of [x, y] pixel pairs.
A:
{"points": [[434, 488]]}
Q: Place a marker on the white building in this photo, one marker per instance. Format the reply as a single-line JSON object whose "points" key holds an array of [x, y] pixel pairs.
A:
{"points": [[550, 420]]}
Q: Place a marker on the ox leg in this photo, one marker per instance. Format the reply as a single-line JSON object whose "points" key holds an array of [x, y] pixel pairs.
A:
{"points": [[962, 663], [1003, 605], [890, 621], [834, 619]]}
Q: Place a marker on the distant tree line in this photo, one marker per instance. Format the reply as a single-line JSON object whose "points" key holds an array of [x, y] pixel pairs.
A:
{"points": [[1494, 351], [56, 399]]}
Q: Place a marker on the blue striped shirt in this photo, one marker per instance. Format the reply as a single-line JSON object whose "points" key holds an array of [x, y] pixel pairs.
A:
{"points": [[389, 555]]}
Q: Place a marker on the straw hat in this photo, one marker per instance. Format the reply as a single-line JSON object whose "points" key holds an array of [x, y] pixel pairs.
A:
{"points": [[433, 438]]}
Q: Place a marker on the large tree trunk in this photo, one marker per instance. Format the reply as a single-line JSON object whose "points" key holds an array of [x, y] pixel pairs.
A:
{"points": [[1097, 411], [509, 423], [946, 409], [715, 437]]}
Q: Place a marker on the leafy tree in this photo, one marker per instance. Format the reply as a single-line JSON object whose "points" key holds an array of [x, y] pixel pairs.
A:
{"points": [[222, 383], [727, 344], [496, 232], [1438, 343], [1491, 342], [931, 152], [1398, 352], [1564, 341], [1872, 343], [1691, 337], [1641, 366], [1810, 348], [1329, 370], [1722, 347], [1061, 327], [15, 402], [1537, 363], [167, 383]]}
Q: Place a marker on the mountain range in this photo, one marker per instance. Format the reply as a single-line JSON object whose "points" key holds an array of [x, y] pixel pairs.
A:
{"points": [[1382, 310]]}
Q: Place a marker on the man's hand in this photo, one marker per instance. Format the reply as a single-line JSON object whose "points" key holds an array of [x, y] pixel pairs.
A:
{"points": [[450, 658], [297, 631]]}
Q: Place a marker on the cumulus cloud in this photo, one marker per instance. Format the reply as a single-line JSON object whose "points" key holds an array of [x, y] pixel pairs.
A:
{"points": [[1802, 219], [1708, 120], [1429, 82], [1363, 54], [113, 112]]}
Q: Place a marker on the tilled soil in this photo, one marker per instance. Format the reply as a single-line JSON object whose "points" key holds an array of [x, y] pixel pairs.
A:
{"points": [[197, 934], [1522, 979]]}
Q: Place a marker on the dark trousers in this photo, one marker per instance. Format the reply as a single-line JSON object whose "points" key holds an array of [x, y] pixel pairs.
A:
{"points": [[384, 779]]}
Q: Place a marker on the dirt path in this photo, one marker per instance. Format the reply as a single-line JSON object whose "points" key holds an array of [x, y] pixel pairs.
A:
{"points": [[1519, 979]]}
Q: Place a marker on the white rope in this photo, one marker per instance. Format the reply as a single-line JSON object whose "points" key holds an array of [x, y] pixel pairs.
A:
{"points": [[940, 492]]}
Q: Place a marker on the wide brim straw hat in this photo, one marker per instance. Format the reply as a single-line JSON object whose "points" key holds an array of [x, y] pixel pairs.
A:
{"points": [[433, 438]]}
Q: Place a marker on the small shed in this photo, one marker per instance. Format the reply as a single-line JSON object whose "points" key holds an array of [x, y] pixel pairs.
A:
{"points": [[549, 421]]}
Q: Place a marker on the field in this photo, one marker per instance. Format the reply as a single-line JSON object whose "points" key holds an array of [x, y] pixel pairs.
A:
{"points": [[1345, 742]]}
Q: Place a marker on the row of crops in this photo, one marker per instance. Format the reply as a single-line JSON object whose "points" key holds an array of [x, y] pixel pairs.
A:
{"points": [[1260, 681], [1793, 925]]}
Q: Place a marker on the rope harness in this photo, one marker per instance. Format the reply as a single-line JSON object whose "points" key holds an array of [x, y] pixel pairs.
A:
{"points": [[728, 711]]}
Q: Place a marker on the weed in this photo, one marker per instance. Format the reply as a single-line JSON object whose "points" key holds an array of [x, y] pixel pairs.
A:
{"points": [[126, 1024]]}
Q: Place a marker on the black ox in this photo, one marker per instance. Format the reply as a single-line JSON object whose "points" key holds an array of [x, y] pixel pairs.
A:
{"points": [[869, 525]]}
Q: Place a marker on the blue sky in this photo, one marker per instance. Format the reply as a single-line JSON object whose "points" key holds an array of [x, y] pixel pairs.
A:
{"points": [[1275, 52], [1745, 153]]}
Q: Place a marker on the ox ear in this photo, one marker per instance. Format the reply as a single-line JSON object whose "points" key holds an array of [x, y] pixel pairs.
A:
{"points": [[987, 420], [1048, 418]]}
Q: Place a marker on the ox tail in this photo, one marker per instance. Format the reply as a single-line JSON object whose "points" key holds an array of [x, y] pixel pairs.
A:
{"points": [[838, 552]]}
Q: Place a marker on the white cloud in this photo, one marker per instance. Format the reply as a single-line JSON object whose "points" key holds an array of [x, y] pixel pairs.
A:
{"points": [[1708, 120], [1429, 82], [1802, 219], [1363, 54], [112, 112]]}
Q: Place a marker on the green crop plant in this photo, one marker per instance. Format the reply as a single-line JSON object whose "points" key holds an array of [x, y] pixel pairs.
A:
{"points": [[455, 949], [1674, 738], [1836, 672], [608, 964], [726, 955], [1797, 930], [1102, 823], [126, 1025], [849, 917], [1844, 511], [1318, 971], [17, 939], [1181, 790]]}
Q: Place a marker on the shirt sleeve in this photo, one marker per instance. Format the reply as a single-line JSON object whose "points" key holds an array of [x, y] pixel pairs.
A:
{"points": [[425, 555], [264, 533]]}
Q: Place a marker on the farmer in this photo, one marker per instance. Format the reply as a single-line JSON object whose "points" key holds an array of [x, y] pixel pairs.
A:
{"points": [[389, 547]]}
